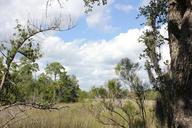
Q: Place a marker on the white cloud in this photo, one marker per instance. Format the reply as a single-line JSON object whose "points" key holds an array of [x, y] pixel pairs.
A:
{"points": [[35, 10], [124, 7], [144, 2], [100, 18], [165, 48], [92, 62]]}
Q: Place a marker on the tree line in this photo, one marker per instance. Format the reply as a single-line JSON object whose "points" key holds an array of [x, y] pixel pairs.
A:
{"points": [[53, 86]]}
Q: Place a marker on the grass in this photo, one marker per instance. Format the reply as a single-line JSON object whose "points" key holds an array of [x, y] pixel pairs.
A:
{"points": [[74, 116]]}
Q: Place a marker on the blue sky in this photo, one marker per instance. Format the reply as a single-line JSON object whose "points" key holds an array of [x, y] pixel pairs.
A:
{"points": [[120, 20], [93, 47]]}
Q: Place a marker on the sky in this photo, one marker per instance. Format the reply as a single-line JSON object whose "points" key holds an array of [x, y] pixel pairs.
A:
{"points": [[96, 43]]}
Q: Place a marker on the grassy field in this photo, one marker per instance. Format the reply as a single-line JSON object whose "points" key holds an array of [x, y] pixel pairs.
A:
{"points": [[74, 116]]}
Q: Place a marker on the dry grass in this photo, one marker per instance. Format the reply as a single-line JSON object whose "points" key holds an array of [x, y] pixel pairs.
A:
{"points": [[74, 116]]}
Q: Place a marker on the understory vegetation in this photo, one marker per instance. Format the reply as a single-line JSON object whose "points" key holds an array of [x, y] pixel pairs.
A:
{"points": [[51, 87], [72, 115]]}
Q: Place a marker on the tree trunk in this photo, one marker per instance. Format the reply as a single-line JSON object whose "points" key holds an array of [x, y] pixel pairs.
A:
{"points": [[55, 76], [180, 41]]}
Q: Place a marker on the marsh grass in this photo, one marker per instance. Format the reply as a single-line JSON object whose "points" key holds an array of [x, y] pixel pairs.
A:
{"points": [[74, 116]]}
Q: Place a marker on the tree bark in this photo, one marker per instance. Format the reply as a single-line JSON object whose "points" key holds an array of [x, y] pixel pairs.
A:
{"points": [[180, 42]]}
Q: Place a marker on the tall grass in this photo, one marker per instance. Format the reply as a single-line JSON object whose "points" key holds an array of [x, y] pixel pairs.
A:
{"points": [[74, 116]]}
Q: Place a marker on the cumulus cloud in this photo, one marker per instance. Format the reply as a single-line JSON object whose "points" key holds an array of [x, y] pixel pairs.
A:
{"points": [[92, 62], [124, 7], [34, 10], [100, 18]]}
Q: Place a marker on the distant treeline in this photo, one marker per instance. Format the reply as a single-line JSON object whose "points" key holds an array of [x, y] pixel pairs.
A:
{"points": [[53, 86], [113, 88]]}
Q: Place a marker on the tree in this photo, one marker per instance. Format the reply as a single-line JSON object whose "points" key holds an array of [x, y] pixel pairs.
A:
{"points": [[127, 72], [69, 88], [114, 88], [22, 43], [1, 67], [98, 92], [83, 95], [22, 76], [112, 109], [43, 79], [179, 28], [74, 88], [175, 86], [55, 69]]}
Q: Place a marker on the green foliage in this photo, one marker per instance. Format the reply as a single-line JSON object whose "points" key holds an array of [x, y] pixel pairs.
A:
{"points": [[98, 92], [89, 4], [113, 87], [42, 90], [68, 88], [156, 9], [44, 80], [22, 44], [65, 89], [83, 95], [18, 74], [2, 68], [55, 69], [115, 108]]}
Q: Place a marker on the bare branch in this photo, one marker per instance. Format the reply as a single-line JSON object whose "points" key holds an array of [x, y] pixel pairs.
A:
{"points": [[33, 105], [31, 31], [12, 118]]}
